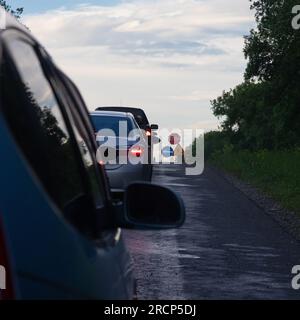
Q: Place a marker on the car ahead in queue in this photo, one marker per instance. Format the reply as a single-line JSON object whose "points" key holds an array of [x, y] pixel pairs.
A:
{"points": [[143, 122], [139, 115], [60, 230], [124, 150]]}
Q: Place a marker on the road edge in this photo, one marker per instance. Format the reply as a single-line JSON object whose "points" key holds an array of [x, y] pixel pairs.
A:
{"points": [[287, 219]]}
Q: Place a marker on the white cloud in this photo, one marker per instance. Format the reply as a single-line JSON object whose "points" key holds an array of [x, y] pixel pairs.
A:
{"points": [[143, 52], [197, 95]]}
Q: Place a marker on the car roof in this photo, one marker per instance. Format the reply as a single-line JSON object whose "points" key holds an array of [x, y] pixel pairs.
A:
{"points": [[115, 108], [10, 21], [111, 114], [138, 113]]}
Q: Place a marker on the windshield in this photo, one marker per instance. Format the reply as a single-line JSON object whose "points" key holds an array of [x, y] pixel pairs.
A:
{"points": [[113, 123]]}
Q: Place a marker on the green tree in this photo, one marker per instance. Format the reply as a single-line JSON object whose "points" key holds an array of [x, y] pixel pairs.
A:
{"points": [[274, 44], [264, 111], [246, 115]]}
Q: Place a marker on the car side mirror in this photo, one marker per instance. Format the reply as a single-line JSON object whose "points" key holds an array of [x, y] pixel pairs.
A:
{"points": [[154, 127], [149, 206]]}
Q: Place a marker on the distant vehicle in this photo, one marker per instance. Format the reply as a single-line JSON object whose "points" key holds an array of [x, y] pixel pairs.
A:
{"points": [[60, 229], [143, 122], [139, 115], [135, 149]]}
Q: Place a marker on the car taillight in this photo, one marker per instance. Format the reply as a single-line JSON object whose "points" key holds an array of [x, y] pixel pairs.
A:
{"points": [[8, 292], [148, 133], [136, 151]]}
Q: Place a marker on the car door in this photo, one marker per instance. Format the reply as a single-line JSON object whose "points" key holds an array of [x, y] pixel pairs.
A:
{"points": [[59, 251], [84, 131]]}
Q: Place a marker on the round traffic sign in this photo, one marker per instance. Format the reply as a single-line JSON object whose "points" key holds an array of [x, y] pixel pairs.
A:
{"points": [[174, 138], [167, 152]]}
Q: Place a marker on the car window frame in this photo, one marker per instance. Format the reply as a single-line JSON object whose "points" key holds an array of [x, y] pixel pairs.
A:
{"points": [[18, 35], [71, 106], [82, 119]]}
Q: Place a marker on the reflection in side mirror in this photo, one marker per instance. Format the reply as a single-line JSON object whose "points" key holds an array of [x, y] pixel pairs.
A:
{"points": [[153, 207], [154, 127]]}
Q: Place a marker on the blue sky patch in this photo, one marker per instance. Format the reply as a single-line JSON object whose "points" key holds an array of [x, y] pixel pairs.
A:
{"points": [[37, 6]]}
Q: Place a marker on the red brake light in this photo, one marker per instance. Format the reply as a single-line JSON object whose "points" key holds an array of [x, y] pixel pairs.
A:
{"points": [[8, 293], [148, 133], [137, 151]]}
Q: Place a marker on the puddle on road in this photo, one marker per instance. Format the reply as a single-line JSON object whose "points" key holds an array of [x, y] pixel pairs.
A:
{"points": [[167, 249], [159, 275], [164, 169], [238, 246], [178, 185]]}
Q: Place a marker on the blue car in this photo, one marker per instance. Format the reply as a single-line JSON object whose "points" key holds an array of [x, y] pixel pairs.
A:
{"points": [[60, 229]]}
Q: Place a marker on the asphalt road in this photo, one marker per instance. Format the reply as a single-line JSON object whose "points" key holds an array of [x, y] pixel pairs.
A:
{"points": [[227, 249]]}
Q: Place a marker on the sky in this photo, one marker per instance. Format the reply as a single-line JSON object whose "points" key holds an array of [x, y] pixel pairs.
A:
{"points": [[170, 57]]}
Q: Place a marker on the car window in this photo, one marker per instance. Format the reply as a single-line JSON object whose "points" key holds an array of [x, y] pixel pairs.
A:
{"points": [[112, 122], [94, 185], [76, 107], [38, 124], [139, 115]]}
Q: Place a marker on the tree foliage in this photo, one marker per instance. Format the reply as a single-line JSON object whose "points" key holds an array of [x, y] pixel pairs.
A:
{"points": [[264, 111], [273, 45]]}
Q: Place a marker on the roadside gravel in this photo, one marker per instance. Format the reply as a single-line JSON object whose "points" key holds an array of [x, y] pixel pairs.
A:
{"points": [[289, 220]]}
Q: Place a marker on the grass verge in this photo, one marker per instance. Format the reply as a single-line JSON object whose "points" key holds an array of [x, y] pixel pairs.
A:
{"points": [[276, 173]]}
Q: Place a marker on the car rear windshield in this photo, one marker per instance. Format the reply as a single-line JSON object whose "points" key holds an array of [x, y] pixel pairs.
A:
{"points": [[139, 114], [113, 123]]}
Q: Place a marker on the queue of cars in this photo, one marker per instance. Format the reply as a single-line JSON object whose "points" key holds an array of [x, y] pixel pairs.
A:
{"points": [[60, 228], [144, 124]]}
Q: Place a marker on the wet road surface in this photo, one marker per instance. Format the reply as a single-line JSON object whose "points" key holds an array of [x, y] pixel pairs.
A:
{"points": [[228, 247]]}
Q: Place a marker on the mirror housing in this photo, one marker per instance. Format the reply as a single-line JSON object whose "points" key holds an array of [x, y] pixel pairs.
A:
{"points": [[149, 206], [154, 127]]}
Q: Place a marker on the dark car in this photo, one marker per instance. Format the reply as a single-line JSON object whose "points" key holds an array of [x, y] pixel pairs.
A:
{"points": [[139, 115], [60, 230]]}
